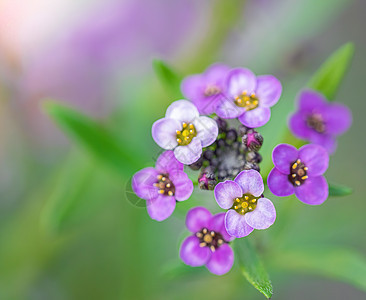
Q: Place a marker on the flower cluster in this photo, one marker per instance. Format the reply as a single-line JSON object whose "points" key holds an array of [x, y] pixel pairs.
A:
{"points": [[195, 132]]}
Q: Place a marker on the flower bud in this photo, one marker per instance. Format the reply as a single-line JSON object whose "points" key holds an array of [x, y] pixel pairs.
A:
{"points": [[252, 140], [207, 179]]}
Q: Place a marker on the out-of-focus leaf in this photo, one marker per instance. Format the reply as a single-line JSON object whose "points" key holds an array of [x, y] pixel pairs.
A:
{"points": [[94, 138], [329, 76], [330, 261], [252, 267], [169, 78], [339, 190]]}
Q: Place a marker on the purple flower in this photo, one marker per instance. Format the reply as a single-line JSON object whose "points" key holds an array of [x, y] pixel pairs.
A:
{"points": [[300, 172], [249, 98], [206, 90], [247, 209], [319, 121], [162, 186], [185, 131], [209, 243]]}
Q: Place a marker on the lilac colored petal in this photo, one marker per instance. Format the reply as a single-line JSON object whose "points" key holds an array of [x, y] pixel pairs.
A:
{"points": [[256, 117], [190, 153], [268, 90], [207, 130], [198, 218], [143, 183], [240, 80], [226, 192], [216, 73], [236, 225], [263, 215], [315, 158], [217, 224], [193, 87], [167, 163], [164, 133], [283, 156], [327, 141], [227, 109], [221, 260], [338, 119], [182, 110], [299, 127], [279, 184], [310, 101], [183, 185], [161, 207], [192, 254], [251, 182], [313, 191]]}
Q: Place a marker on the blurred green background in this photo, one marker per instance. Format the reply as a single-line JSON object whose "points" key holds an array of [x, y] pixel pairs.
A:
{"points": [[70, 227]]}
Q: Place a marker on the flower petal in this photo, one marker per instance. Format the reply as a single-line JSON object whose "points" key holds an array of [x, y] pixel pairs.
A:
{"points": [[310, 101], [161, 207], [251, 182], [268, 90], [221, 260], [279, 184], [240, 80], [313, 191], [338, 119], [207, 130], [192, 254], [164, 133], [299, 127], [227, 109], [167, 163], [256, 117], [315, 158], [143, 183], [182, 111], [283, 156], [226, 192], [198, 218], [236, 225], [327, 141], [183, 185], [263, 215], [190, 153], [217, 224]]}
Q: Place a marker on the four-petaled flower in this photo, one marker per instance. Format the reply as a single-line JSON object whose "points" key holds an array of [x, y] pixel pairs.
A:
{"points": [[319, 121], [247, 209], [206, 90], [300, 172], [162, 186], [185, 131], [249, 98], [209, 243]]}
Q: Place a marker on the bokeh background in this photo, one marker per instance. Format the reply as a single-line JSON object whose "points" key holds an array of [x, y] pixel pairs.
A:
{"points": [[70, 228]]}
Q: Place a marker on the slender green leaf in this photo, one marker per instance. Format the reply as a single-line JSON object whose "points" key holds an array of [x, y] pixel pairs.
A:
{"points": [[93, 137], [252, 267], [339, 190], [169, 78], [329, 76], [330, 261]]}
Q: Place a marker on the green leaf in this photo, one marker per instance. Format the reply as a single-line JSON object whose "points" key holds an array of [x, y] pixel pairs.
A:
{"points": [[339, 190], [336, 263], [329, 76], [169, 78], [252, 267], [94, 138]]}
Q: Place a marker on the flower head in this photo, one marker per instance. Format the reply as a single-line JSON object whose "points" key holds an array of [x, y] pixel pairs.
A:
{"points": [[247, 209], [249, 98], [319, 121], [300, 172], [209, 243], [185, 131], [162, 186], [206, 90]]}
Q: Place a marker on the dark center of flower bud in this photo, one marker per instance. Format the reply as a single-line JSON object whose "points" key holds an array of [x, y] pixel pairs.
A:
{"points": [[211, 239], [298, 172], [165, 185], [248, 101], [316, 122], [212, 90], [244, 204], [186, 135]]}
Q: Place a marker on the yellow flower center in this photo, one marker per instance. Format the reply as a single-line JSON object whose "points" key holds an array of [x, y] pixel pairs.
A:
{"points": [[248, 101], [186, 135], [298, 173], [244, 204]]}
